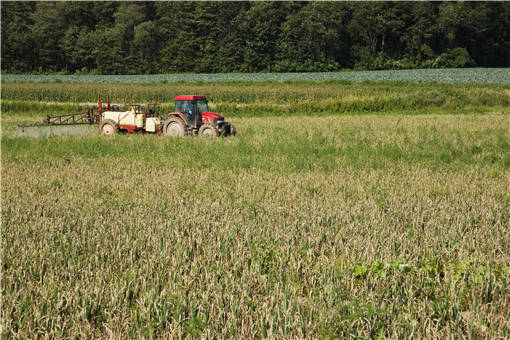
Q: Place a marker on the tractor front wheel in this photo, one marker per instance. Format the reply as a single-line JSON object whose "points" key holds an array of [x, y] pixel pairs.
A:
{"points": [[208, 130], [108, 127], [174, 127]]}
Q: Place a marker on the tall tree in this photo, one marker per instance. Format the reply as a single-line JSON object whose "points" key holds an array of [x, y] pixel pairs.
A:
{"points": [[17, 41], [421, 40], [315, 39], [145, 47], [47, 33], [259, 30], [376, 28], [181, 49]]}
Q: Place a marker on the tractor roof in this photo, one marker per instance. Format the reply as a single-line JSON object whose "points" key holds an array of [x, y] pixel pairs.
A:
{"points": [[189, 97]]}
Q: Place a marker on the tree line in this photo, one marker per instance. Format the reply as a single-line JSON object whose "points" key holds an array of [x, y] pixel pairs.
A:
{"points": [[210, 37]]}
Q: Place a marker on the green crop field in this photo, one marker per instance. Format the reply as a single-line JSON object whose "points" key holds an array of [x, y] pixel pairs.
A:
{"points": [[465, 75], [28, 102], [366, 210]]}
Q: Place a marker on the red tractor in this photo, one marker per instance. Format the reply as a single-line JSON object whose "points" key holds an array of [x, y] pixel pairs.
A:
{"points": [[192, 117]]}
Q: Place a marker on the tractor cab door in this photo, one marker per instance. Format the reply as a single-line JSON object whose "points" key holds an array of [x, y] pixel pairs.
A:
{"points": [[197, 117], [186, 108], [190, 112]]}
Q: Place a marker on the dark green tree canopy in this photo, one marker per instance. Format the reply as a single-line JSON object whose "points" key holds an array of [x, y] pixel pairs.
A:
{"points": [[209, 37]]}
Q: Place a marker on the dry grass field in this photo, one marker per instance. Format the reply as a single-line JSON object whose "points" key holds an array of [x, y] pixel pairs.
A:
{"points": [[321, 226]]}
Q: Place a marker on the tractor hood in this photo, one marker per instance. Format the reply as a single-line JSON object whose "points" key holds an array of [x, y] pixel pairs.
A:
{"points": [[209, 117]]}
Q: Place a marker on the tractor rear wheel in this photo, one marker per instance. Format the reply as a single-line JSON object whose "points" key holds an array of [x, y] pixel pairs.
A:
{"points": [[108, 127], [174, 127], [208, 130]]}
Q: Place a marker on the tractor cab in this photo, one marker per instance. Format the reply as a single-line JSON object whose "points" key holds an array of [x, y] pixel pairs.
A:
{"points": [[192, 117], [191, 108]]}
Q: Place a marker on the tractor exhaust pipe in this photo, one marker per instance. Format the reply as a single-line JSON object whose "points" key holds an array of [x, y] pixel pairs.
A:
{"points": [[196, 114], [99, 108]]}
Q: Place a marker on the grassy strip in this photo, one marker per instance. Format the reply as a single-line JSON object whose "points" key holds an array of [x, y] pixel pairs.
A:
{"points": [[36, 108], [363, 142], [250, 93], [248, 100]]}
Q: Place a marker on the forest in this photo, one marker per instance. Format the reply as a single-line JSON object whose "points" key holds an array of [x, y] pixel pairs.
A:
{"points": [[219, 37]]}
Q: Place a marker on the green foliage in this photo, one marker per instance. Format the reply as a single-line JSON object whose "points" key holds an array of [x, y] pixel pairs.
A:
{"points": [[212, 37], [194, 327], [454, 58]]}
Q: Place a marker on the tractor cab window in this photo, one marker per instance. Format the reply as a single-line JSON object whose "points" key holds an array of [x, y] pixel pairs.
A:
{"points": [[202, 106], [184, 107]]}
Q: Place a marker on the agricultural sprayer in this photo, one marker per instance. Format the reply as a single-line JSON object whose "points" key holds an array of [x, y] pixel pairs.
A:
{"points": [[190, 117]]}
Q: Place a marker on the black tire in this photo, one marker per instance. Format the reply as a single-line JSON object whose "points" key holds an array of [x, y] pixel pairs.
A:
{"points": [[174, 127], [208, 130], [108, 128], [233, 130]]}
